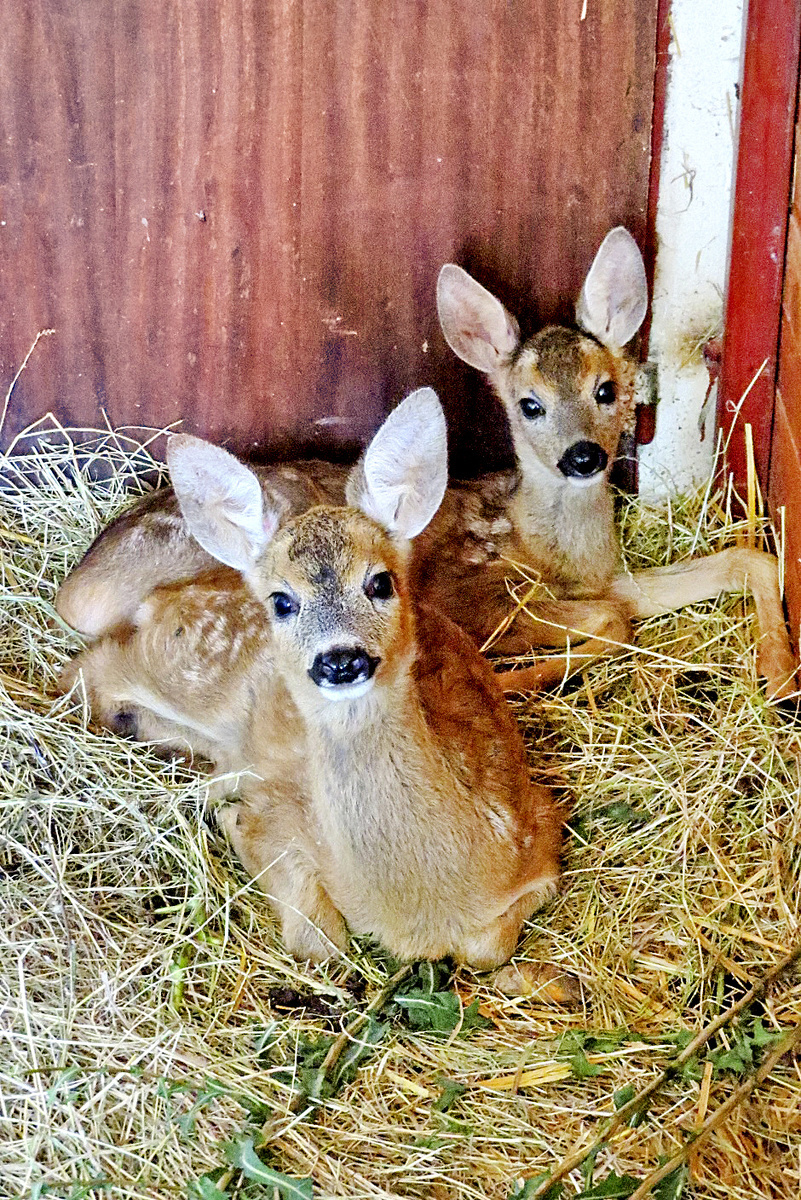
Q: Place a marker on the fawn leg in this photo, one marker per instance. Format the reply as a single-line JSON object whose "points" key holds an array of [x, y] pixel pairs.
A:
{"points": [[264, 837], [661, 589], [494, 943], [598, 627]]}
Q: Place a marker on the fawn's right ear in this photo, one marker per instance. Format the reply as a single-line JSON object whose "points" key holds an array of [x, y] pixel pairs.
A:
{"points": [[401, 478], [476, 326], [221, 501], [614, 298]]}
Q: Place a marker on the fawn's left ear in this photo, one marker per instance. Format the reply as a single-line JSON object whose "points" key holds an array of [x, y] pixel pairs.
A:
{"points": [[401, 479], [614, 298], [221, 501]]}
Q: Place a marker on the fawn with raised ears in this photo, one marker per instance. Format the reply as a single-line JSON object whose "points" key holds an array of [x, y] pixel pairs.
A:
{"points": [[394, 796], [568, 395]]}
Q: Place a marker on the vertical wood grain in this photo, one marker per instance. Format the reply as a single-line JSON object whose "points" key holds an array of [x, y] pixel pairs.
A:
{"points": [[759, 229], [785, 458], [233, 213]]}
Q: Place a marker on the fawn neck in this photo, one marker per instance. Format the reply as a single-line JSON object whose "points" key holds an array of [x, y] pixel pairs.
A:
{"points": [[574, 523], [373, 766]]}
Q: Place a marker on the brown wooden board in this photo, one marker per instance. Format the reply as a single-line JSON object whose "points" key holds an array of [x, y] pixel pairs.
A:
{"points": [[785, 478], [790, 378], [761, 202], [785, 457], [791, 297], [234, 212]]}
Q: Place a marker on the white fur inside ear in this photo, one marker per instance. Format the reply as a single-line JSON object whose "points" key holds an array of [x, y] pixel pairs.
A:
{"points": [[475, 324], [614, 299], [402, 478], [221, 501]]}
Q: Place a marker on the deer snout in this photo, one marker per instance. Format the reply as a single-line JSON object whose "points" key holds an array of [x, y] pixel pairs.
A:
{"points": [[343, 666], [583, 460]]}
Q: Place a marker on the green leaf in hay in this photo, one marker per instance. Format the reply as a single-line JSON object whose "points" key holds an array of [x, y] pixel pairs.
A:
{"points": [[440, 1012], [761, 1036], [243, 1154], [265, 1040], [606, 1042], [579, 828], [624, 1095], [588, 1166], [729, 1060], [582, 1068], [205, 1188], [672, 1186], [305, 1075], [623, 814], [437, 1011], [472, 1018], [524, 1189], [613, 1187], [451, 1091], [573, 1041], [364, 1043]]}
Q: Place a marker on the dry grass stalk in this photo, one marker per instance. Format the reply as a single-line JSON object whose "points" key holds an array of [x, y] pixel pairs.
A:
{"points": [[142, 1025]]}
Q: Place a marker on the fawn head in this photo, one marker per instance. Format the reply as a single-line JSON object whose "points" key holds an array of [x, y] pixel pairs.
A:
{"points": [[333, 581], [568, 393]]}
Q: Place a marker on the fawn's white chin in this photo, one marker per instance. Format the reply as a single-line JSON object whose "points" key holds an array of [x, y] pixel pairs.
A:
{"points": [[345, 691]]}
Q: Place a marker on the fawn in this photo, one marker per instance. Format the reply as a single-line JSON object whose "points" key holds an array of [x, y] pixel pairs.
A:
{"points": [[393, 793], [568, 395]]}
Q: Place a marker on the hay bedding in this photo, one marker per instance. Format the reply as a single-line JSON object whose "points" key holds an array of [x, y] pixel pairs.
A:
{"points": [[149, 1016]]}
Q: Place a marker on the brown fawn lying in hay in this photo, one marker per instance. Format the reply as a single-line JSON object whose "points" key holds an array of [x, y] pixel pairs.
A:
{"points": [[568, 394], [393, 793]]}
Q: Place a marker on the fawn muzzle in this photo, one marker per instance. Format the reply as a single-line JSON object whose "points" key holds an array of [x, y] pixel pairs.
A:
{"points": [[583, 460], [343, 666]]}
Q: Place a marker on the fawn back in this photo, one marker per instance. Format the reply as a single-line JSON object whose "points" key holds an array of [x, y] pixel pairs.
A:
{"points": [[401, 805], [150, 545]]}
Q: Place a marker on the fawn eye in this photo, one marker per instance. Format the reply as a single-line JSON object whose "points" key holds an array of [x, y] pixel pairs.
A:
{"points": [[284, 606], [605, 393], [531, 408], [379, 587]]}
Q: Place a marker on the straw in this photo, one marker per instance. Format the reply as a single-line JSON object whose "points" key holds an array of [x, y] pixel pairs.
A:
{"points": [[149, 1016]]}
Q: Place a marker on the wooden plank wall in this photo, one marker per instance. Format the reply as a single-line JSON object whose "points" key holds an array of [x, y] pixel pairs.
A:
{"points": [[785, 462], [234, 212], [759, 230]]}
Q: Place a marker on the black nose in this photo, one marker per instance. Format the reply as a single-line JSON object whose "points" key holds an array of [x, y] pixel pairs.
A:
{"points": [[583, 460], [343, 665]]}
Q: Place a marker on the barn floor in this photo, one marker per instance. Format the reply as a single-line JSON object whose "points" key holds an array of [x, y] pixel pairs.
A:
{"points": [[156, 1040]]}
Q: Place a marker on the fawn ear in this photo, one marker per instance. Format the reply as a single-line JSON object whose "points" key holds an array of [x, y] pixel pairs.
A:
{"points": [[614, 299], [476, 326], [401, 479], [221, 501]]}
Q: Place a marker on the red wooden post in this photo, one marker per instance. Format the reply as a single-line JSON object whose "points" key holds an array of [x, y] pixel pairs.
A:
{"points": [[759, 230]]}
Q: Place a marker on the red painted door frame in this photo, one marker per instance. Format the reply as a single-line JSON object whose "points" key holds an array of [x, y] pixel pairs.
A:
{"points": [[759, 230]]}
